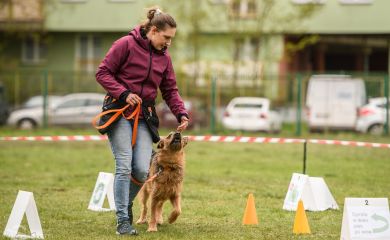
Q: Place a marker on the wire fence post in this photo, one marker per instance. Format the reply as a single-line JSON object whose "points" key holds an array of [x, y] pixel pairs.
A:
{"points": [[386, 92], [213, 102], [45, 102], [17, 89], [299, 107], [304, 156]]}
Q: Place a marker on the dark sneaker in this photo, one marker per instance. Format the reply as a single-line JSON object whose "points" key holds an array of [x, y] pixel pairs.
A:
{"points": [[130, 211], [125, 228]]}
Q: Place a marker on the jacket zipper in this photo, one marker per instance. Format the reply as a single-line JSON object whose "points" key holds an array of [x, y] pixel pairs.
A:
{"points": [[146, 79], [149, 69]]}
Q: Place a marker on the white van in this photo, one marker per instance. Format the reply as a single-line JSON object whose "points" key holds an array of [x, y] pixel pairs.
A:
{"points": [[333, 101]]}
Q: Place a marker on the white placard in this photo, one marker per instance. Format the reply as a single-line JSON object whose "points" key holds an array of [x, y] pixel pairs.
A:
{"points": [[313, 191], [365, 218], [316, 195], [24, 203], [294, 191], [104, 187], [356, 1]]}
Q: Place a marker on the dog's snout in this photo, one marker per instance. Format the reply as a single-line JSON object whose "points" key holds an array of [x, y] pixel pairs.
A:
{"points": [[176, 141]]}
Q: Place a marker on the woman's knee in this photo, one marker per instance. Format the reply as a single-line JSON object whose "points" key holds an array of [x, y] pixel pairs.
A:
{"points": [[123, 171], [140, 174], [123, 166]]}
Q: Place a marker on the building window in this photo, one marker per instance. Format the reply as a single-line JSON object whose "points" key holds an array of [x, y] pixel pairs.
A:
{"points": [[254, 49], [246, 49], [243, 8], [34, 50], [309, 1], [251, 8], [73, 1], [238, 47], [219, 1], [21, 11], [88, 52], [356, 1], [121, 1]]}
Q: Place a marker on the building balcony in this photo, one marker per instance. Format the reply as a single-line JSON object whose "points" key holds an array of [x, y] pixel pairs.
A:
{"points": [[21, 14]]}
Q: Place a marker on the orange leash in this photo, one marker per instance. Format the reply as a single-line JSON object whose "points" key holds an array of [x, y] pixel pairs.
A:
{"points": [[134, 114], [147, 180]]}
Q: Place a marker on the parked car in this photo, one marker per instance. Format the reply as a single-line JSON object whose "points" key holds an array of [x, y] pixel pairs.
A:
{"points": [[372, 116], [4, 108], [196, 112], [70, 110], [251, 114], [332, 102], [37, 101]]}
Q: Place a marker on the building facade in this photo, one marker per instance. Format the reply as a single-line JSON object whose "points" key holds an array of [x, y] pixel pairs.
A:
{"points": [[241, 42]]}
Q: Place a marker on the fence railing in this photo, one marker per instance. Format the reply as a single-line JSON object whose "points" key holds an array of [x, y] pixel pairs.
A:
{"points": [[286, 92]]}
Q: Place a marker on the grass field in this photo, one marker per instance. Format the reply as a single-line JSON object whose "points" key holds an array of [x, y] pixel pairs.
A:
{"points": [[218, 178]]}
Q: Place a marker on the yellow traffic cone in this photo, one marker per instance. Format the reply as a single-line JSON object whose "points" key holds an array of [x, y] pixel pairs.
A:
{"points": [[250, 216], [301, 225]]}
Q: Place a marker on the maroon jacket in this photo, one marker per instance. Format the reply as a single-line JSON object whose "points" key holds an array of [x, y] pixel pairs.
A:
{"points": [[133, 65]]}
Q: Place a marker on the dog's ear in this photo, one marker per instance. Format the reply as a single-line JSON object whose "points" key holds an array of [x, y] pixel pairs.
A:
{"points": [[160, 144], [185, 141]]}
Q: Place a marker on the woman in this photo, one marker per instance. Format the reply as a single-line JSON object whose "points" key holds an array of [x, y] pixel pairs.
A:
{"points": [[132, 71]]}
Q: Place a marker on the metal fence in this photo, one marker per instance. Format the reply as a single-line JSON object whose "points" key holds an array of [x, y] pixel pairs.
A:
{"points": [[213, 91]]}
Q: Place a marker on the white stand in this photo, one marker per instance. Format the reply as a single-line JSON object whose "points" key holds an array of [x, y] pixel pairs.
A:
{"points": [[24, 203], [313, 191], [365, 218], [104, 186]]}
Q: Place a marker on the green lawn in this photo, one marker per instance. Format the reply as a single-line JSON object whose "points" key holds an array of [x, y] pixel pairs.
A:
{"points": [[218, 178]]}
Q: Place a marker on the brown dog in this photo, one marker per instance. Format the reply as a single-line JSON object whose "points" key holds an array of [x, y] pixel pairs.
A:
{"points": [[168, 169]]}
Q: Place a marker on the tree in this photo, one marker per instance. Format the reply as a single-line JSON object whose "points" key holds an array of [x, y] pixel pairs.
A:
{"points": [[254, 18], [268, 17], [190, 15]]}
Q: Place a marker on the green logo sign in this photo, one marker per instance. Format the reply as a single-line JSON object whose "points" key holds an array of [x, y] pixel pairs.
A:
{"points": [[98, 193]]}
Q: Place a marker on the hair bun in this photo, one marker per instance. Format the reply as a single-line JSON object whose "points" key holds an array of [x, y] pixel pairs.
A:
{"points": [[157, 18], [151, 13]]}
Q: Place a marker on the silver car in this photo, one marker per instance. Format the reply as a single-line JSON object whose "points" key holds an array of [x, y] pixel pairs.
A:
{"points": [[71, 110], [372, 116], [37, 101]]}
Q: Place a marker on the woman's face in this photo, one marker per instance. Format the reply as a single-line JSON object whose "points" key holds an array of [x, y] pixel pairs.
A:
{"points": [[162, 38]]}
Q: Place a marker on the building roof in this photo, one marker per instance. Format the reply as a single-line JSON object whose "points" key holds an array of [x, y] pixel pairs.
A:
{"points": [[330, 17], [94, 15], [335, 17]]}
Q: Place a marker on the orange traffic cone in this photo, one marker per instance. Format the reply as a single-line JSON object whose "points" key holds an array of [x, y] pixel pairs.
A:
{"points": [[301, 225], [250, 216]]}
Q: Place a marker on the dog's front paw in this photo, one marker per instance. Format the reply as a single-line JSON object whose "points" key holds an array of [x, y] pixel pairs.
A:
{"points": [[152, 229], [142, 221]]}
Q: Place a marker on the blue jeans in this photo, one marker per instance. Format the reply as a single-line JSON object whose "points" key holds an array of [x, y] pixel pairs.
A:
{"points": [[129, 162]]}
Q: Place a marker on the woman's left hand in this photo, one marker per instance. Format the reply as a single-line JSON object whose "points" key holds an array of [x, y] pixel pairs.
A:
{"points": [[183, 124]]}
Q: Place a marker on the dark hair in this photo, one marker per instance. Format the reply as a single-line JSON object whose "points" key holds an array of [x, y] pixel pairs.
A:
{"points": [[159, 19]]}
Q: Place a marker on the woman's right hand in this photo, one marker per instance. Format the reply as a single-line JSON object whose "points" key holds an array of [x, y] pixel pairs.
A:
{"points": [[133, 99]]}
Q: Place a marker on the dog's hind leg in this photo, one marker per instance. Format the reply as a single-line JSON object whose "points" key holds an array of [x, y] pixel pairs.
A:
{"points": [[175, 200], [144, 196]]}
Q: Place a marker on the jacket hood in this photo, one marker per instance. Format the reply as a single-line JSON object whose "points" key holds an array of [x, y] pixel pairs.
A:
{"points": [[144, 42]]}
